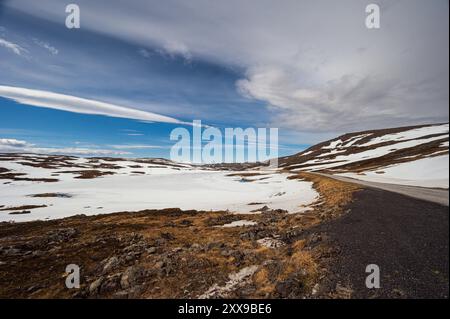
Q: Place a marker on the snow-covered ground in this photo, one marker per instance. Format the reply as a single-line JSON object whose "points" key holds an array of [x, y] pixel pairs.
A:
{"points": [[425, 172], [371, 153], [416, 156], [410, 134], [160, 187]]}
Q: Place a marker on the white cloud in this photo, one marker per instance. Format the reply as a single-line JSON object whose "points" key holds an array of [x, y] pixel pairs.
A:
{"points": [[78, 105], [130, 132], [20, 146], [10, 142], [313, 62], [47, 46], [144, 53], [136, 146], [174, 48], [17, 49], [77, 151], [346, 103]]}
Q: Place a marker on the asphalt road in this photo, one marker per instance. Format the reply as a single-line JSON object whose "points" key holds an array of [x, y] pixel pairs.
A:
{"points": [[406, 237], [435, 195]]}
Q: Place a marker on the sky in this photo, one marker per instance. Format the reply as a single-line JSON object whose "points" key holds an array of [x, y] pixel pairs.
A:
{"points": [[136, 70]]}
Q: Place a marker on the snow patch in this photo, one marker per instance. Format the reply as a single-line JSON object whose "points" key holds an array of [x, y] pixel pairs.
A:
{"points": [[270, 242], [235, 281], [425, 172], [239, 223], [410, 134]]}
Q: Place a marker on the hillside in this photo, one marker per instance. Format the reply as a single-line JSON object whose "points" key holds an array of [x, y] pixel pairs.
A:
{"points": [[415, 155]]}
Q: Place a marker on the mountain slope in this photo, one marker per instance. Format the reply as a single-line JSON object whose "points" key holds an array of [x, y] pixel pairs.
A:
{"points": [[415, 155]]}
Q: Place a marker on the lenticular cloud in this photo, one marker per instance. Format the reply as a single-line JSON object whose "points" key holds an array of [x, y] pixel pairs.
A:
{"points": [[78, 105]]}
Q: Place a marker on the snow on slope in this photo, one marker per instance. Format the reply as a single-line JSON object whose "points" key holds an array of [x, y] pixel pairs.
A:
{"points": [[410, 156], [370, 153], [425, 172], [410, 134], [154, 187]]}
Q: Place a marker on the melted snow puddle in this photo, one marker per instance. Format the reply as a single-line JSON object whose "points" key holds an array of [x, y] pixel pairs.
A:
{"points": [[235, 280]]}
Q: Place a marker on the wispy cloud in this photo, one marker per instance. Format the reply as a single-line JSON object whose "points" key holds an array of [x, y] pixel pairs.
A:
{"points": [[47, 46], [311, 76], [136, 146], [20, 146], [176, 48], [144, 53], [10, 142], [17, 49], [130, 132], [79, 105]]}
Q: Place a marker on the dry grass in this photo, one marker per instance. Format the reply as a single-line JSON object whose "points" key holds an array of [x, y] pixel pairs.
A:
{"points": [[335, 195]]}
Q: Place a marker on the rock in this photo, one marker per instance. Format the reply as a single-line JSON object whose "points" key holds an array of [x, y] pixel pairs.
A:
{"points": [[186, 223], [159, 265], [283, 288], [111, 284], [135, 237], [290, 288], [160, 241], [292, 234], [132, 248], [12, 252], [63, 234], [342, 291], [315, 290], [131, 276], [213, 245], [123, 294], [151, 250], [314, 238], [111, 264], [167, 236], [227, 252], [135, 292], [38, 253], [94, 287]]}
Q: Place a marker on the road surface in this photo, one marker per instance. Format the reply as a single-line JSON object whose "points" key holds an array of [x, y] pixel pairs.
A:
{"points": [[434, 195], [407, 238]]}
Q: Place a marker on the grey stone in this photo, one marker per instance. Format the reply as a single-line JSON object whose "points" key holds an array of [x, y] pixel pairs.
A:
{"points": [[111, 264], [94, 286], [131, 276]]}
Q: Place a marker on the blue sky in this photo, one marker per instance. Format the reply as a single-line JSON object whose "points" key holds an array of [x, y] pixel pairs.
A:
{"points": [[134, 71]]}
